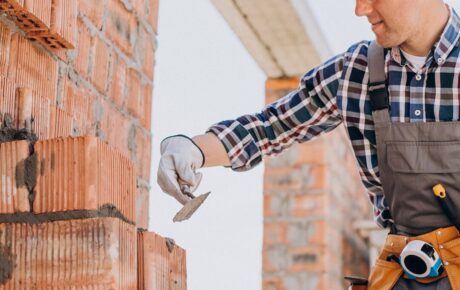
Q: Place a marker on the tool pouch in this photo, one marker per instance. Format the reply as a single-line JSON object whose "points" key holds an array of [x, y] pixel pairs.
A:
{"points": [[385, 274]]}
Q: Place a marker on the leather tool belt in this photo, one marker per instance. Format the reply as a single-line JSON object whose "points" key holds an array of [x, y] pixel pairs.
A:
{"points": [[446, 241]]}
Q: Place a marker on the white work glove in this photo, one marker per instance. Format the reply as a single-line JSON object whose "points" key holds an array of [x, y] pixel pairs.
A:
{"points": [[180, 157]]}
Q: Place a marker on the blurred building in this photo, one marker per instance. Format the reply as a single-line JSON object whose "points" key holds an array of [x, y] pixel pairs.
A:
{"points": [[317, 218]]}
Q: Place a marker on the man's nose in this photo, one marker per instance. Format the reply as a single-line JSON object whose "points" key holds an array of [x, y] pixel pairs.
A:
{"points": [[363, 7]]}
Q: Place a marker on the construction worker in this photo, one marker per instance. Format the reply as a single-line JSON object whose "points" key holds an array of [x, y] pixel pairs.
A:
{"points": [[398, 97]]}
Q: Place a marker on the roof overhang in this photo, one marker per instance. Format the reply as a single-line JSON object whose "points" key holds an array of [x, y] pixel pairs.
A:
{"points": [[282, 35]]}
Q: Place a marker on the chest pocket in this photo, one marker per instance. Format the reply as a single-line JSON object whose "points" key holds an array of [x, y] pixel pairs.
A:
{"points": [[424, 157]]}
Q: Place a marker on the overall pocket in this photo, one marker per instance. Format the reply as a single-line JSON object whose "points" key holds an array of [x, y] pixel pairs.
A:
{"points": [[413, 168]]}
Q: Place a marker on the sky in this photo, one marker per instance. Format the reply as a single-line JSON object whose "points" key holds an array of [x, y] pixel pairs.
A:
{"points": [[203, 75]]}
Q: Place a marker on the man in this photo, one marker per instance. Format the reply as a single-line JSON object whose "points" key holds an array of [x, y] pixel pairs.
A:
{"points": [[400, 107]]}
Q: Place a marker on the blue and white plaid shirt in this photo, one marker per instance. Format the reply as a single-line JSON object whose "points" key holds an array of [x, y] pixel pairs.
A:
{"points": [[337, 92]]}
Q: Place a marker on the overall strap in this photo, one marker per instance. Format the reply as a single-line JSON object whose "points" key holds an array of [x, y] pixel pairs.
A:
{"points": [[377, 79]]}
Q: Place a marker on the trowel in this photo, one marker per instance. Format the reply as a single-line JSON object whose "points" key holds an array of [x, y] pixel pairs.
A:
{"points": [[190, 207]]}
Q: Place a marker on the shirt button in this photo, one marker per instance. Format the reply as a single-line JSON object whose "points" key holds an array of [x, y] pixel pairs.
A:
{"points": [[418, 77], [418, 112], [440, 61]]}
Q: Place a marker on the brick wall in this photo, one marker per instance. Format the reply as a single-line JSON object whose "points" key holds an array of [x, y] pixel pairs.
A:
{"points": [[312, 195], [76, 81]]}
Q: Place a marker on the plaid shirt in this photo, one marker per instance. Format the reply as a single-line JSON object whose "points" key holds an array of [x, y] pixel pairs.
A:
{"points": [[337, 92]]}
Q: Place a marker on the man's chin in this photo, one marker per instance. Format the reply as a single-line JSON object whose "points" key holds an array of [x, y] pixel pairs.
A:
{"points": [[385, 42]]}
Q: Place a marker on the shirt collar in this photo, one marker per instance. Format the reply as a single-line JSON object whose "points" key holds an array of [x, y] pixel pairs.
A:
{"points": [[443, 47]]}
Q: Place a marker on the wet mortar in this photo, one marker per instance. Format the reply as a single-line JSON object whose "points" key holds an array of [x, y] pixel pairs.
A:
{"points": [[106, 210], [9, 133], [6, 264]]}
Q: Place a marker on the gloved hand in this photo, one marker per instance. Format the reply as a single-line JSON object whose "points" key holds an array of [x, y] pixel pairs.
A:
{"points": [[180, 157]]}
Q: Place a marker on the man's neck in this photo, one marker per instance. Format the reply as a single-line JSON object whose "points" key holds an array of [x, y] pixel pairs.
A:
{"points": [[422, 42]]}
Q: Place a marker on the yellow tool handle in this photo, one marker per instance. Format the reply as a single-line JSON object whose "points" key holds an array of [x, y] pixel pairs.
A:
{"points": [[439, 191]]}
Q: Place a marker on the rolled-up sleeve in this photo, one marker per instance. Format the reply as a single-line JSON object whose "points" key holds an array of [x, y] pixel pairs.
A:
{"points": [[301, 115]]}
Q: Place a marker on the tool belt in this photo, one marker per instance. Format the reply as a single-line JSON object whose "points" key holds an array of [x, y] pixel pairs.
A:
{"points": [[446, 242]]}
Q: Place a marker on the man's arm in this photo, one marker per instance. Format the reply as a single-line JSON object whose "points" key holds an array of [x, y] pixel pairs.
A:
{"points": [[301, 115], [213, 150]]}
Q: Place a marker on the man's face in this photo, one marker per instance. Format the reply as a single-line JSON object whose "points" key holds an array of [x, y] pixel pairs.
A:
{"points": [[393, 21]]}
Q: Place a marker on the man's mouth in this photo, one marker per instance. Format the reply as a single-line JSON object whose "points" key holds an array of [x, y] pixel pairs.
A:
{"points": [[376, 24]]}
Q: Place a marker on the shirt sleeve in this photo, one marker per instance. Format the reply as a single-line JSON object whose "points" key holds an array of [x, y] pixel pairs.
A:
{"points": [[301, 115]]}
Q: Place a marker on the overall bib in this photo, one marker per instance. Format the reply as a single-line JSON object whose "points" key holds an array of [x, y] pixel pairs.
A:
{"points": [[412, 158]]}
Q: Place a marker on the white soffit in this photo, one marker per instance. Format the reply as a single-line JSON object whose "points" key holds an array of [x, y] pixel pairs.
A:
{"points": [[277, 33]]}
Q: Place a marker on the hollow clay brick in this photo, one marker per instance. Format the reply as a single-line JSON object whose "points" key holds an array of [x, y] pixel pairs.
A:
{"points": [[117, 129], [121, 26], [153, 14], [5, 40], [148, 50], [35, 69], [160, 266], [61, 31], [76, 102], [93, 10], [40, 9], [29, 15], [147, 115], [143, 153], [8, 104], [118, 84], [85, 42], [101, 65], [142, 207], [135, 98], [83, 173], [13, 190], [81, 254]]}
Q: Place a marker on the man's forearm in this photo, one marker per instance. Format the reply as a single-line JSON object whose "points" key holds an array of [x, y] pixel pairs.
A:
{"points": [[213, 150]]}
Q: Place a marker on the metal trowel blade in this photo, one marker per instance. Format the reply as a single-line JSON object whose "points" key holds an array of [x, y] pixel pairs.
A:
{"points": [[190, 207]]}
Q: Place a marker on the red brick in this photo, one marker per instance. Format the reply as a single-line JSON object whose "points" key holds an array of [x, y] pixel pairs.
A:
{"points": [[118, 83], [13, 190], [85, 43], [24, 99], [76, 103], [121, 26], [94, 10], [5, 40], [76, 254], [148, 56], [274, 283], [29, 15], [160, 268], [282, 84], [147, 115], [117, 129], [83, 173], [143, 153], [308, 205], [34, 69], [41, 116], [39, 8], [153, 14], [60, 33], [64, 21], [7, 99], [307, 259], [61, 123], [101, 65], [142, 207], [275, 233], [135, 98]]}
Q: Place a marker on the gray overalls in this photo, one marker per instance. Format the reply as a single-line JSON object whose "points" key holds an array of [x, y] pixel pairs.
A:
{"points": [[412, 158]]}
